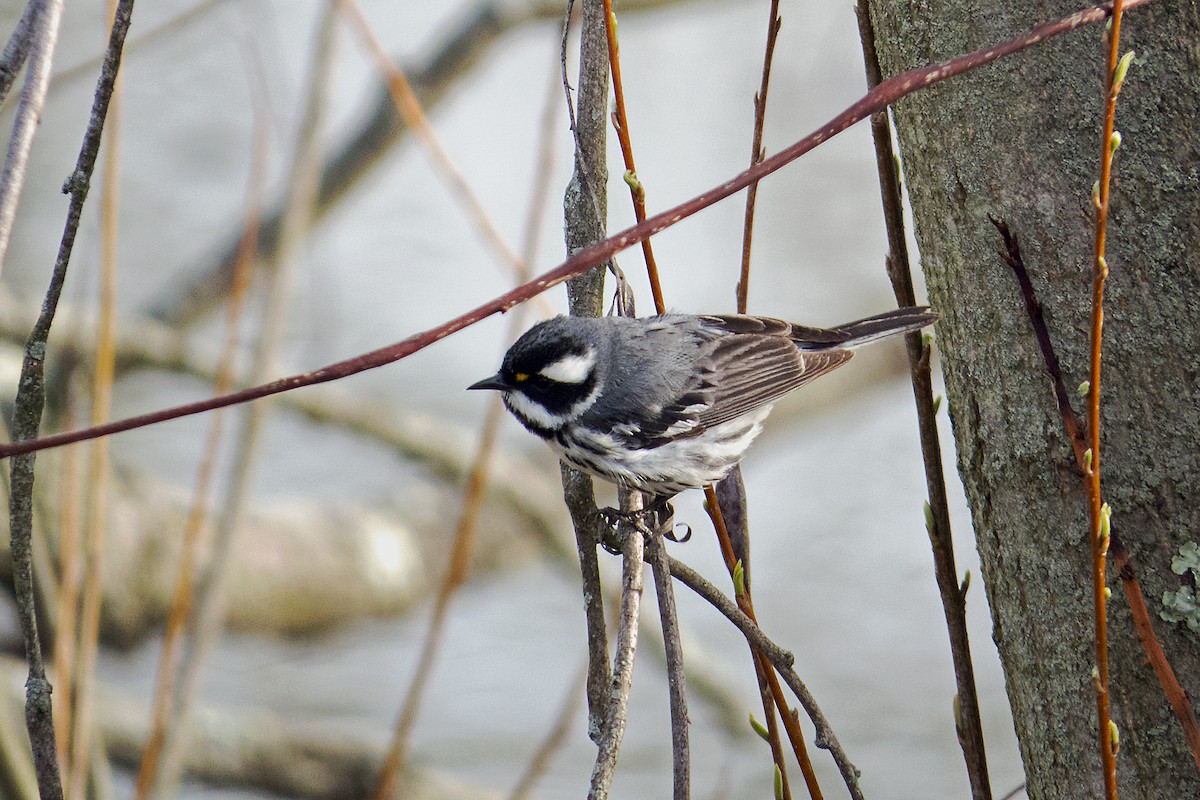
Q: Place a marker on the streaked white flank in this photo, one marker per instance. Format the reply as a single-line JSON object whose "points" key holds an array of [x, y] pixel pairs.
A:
{"points": [[672, 467], [570, 369]]}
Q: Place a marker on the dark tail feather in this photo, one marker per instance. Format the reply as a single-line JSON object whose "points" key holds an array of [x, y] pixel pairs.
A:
{"points": [[855, 334], [889, 323]]}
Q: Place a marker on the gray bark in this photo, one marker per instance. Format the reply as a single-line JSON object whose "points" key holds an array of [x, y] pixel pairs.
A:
{"points": [[1021, 140]]}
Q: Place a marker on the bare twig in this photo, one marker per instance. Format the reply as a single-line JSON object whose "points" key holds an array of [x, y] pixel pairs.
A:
{"points": [[206, 622], [409, 108], [97, 488], [464, 45], [37, 33], [781, 660], [30, 401], [622, 678], [1098, 511], [757, 154], [637, 190], [585, 206], [586, 257], [762, 666], [968, 720], [1180, 702], [475, 492], [15, 52], [193, 539], [660, 567]]}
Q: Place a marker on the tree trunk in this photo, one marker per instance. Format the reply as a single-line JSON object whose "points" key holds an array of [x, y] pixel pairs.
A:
{"points": [[1021, 140]]}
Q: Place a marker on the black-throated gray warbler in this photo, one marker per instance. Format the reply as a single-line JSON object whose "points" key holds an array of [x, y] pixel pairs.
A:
{"points": [[671, 402]]}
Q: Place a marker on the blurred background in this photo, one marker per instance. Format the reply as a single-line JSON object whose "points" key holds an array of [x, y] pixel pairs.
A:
{"points": [[348, 527]]}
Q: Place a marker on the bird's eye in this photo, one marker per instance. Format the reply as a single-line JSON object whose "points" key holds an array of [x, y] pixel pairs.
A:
{"points": [[521, 377]]}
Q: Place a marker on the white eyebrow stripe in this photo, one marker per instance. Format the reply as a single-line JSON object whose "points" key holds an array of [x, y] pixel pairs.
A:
{"points": [[569, 369]]}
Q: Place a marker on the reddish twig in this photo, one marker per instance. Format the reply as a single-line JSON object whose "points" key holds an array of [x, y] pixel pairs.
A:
{"points": [[1098, 513], [621, 122], [757, 154], [763, 668], [1176, 696], [1155, 655], [880, 97], [1033, 307]]}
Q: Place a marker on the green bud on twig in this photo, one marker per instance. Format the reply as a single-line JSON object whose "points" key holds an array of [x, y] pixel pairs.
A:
{"points": [[1087, 460], [760, 729], [1096, 194], [635, 183], [739, 578], [937, 403], [1114, 142], [1115, 736], [1084, 388], [1121, 70], [778, 783], [1107, 593]]}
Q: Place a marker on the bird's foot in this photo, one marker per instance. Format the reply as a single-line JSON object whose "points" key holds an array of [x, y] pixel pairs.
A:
{"points": [[656, 518]]}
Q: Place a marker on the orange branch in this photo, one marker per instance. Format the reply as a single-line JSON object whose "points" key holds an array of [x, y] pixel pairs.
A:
{"points": [[621, 123]]}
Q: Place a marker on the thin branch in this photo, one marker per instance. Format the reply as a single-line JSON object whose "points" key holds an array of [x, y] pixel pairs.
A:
{"points": [[589, 256], [206, 621], [1155, 655], [1181, 704], [585, 206], [17, 49], [37, 31], [637, 189], [30, 402], [475, 494], [1098, 511], [409, 108], [967, 719], [757, 154], [78, 768], [781, 660], [680, 751], [163, 709], [766, 672], [622, 679], [464, 46]]}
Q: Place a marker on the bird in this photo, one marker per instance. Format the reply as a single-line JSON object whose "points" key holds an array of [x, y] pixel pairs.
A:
{"points": [[671, 402]]}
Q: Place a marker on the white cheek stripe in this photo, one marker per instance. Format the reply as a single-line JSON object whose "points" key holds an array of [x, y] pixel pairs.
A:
{"points": [[536, 413], [570, 369]]}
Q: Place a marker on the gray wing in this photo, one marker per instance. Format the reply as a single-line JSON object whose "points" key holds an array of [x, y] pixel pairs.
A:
{"points": [[753, 370], [745, 363]]}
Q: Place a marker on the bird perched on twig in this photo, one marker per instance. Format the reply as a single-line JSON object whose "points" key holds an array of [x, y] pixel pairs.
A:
{"points": [[667, 403]]}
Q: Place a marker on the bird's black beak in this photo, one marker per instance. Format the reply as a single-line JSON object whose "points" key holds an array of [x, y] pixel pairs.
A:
{"points": [[494, 382]]}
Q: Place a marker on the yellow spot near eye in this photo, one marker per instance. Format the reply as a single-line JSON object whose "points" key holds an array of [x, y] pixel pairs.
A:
{"points": [[521, 377]]}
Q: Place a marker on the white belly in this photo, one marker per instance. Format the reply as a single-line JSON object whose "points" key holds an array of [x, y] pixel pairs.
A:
{"points": [[684, 463]]}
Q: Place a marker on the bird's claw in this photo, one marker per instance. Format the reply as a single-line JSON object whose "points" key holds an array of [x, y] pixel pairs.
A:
{"points": [[658, 517]]}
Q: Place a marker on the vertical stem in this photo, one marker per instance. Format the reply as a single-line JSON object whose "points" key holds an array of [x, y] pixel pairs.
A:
{"points": [[968, 720], [1096, 512], [585, 206]]}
